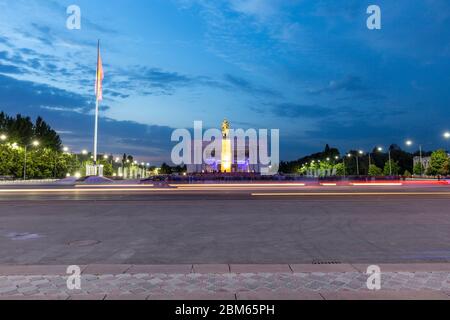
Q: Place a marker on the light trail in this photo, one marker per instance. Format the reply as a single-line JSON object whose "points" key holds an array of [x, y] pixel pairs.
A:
{"points": [[377, 184], [238, 185], [82, 190], [348, 194], [115, 186]]}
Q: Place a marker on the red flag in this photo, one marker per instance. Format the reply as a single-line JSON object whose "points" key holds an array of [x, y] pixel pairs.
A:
{"points": [[99, 76]]}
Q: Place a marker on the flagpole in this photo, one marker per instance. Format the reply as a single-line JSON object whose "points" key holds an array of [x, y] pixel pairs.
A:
{"points": [[96, 108], [96, 131]]}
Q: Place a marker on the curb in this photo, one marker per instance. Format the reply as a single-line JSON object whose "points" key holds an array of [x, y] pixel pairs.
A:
{"points": [[116, 269]]}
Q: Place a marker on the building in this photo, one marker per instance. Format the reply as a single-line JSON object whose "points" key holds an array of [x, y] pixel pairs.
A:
{"points": [[232, 158], [425, 162]]}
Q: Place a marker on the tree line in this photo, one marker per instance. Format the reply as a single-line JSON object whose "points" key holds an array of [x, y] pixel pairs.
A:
{"points": [[375, 163], [22, 138]]}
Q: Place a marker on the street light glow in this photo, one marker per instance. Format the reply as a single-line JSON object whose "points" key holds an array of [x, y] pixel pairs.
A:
{"points": [[35, 143], [409, 143], [447, 135], [3, 137], [66, 149], [361, 152], [105, 157], [380, 149], [84, 152]]}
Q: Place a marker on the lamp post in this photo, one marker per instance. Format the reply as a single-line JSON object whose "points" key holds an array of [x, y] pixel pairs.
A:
{"points": [[3, 137], [447, 137], [33, 144], [380, 149], [360, 153], [348, 156], [357, 160], [409, 143]]}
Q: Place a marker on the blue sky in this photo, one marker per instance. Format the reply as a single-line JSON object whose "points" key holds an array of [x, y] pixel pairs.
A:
{"points": [[310, 68]]}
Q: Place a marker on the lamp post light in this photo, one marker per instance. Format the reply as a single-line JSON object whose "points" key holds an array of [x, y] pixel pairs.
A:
{"points": [[409, 143], [84, 152], [3, 137], [357, 160], [360, 153], [35, 143], [380, 149], [447, 137]]}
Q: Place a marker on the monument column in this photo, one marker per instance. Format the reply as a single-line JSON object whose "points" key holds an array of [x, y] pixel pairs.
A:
{"points": [[226, 148]]}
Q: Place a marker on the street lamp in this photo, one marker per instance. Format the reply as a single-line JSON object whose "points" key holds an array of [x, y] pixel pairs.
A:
{"points": [[35, 143], [409, 143], [357, 160], [447, 137], [84, 152], [3, 137], [380, 149]]}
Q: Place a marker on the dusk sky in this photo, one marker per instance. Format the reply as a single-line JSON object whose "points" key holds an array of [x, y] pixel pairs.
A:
{"points": [[309, 68]]}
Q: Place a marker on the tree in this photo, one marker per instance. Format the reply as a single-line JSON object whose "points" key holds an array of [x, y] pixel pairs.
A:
{"points": [[340, 169], [166, 169], [47, 137], [407, 174], [419, 169], [108, 169], [395, 168], [374, 171], [439, 163]]}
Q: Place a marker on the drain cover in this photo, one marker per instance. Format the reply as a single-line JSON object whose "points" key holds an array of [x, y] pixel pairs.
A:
{"points": [[84, 243], [326, 262]]}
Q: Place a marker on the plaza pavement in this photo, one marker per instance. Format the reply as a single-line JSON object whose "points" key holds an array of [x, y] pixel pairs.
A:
{"points": [[227, 282]]}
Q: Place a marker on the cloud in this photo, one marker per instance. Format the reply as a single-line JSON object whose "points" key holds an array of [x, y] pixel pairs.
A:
{"points": [[257, 8], [8, 69], [248, 87], [70, 114], [292, 110], [349, 84], [18, 93]]}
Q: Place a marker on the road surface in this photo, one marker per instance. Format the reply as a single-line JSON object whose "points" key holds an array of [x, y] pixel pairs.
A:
{"points": [[230, 225]]}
